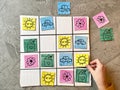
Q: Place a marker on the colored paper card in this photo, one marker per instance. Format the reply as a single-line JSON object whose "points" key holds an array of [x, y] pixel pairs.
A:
{"points": [[48, 78], [80, 42], [29, 78], [81, 59], [64, 42], [64, 8], [65, 59], [106, 34], [29, 25], [82, 75], [101, 19], [66, 76], [47, 60], [31, 61], [47, 23], [30, 45], [81, 24]]}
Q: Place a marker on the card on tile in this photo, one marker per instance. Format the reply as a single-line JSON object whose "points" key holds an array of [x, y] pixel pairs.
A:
{"points": [[47, 23], [82, 77], [64, 42], [29, 60], [106, 34], [29, 78], [29, 25], [65, 59], [47, 29], [81, 59], [47, 60], [81, 43], [48, 77], [64, 8], [81, 24], [48, 43], [64, 25], [66, 77], [101, 19], [29, 43]]}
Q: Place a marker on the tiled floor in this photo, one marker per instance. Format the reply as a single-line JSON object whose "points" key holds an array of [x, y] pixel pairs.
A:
{"points": [[107, 52]]}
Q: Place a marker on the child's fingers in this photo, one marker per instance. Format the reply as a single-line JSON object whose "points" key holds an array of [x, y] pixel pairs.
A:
{"points": [[96, 61], [90, 69]]}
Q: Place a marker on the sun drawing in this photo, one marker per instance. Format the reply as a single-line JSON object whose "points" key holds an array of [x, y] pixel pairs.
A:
{"points": [[48, 78], [29, 24], [81, 60], [64, 42]]}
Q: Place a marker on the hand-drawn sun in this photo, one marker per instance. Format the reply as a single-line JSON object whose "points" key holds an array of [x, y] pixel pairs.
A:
{"points": [[64, 42], [81, 60], [48, 78], [29, 24]]}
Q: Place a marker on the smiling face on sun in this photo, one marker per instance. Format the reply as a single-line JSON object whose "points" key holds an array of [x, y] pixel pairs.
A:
{"points": [[48, 78], [81, 60], [29, 24], [64, 42]]}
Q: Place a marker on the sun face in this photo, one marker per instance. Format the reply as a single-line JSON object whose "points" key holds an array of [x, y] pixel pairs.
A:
{"points": [[81, 60], [29, 24], [64, 42], [48, 78]]}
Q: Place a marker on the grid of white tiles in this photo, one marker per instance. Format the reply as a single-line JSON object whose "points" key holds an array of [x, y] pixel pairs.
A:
{"points": [[48, 42]]}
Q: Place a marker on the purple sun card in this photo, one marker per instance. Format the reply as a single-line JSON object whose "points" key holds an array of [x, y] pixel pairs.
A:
{"points": [[31, 61], [100, 19], [66, 76]]}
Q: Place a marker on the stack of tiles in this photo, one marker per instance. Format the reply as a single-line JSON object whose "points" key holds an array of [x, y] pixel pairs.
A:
{"points": [[54, 51]]}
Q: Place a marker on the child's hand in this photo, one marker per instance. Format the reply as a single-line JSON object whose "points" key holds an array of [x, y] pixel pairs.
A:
{"points": [[99, 74]]}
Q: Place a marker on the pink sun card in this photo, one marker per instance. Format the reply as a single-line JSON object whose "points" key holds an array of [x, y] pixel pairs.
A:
{"points": [[31, 61], [100, 19], [66, 76], [80, 23]]}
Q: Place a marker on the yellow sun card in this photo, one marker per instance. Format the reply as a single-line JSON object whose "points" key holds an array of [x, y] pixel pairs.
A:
{"points": [[28, 24], [47, 78], [81, 60], [64, 42]]}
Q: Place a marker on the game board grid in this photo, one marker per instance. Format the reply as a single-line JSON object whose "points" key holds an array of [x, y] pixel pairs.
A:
{"points": [[56, 51]]}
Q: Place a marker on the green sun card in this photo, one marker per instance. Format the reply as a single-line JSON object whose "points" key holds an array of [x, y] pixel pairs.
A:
{"points": [[47, 60], [82, 75], [30, 45], [106, 34]]}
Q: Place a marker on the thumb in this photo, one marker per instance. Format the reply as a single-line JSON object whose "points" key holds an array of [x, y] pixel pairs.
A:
{"points": [[90, 69]]}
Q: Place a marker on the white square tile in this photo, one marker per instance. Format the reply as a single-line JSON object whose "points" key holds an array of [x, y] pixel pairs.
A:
{"points": [[48, 60], [47, 43], [48, 77], [50, 31], [81, 42], [29, 78], [27, 24], [80, 24], [64, 25], [35, 46], [29, 60], [66, 77], [64, 43]]}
